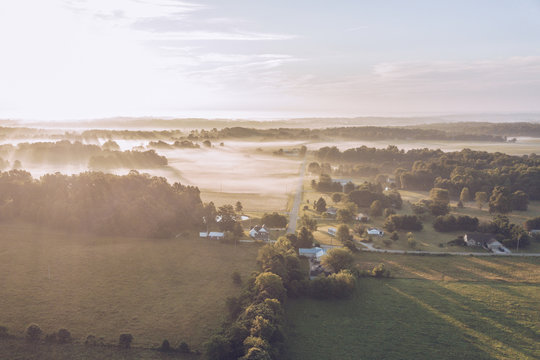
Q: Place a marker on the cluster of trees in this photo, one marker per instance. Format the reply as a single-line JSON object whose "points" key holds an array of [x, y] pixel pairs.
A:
{"points": [[225, 218], [532, 224], [477, 171], [510, 235], [256, 318], [342, 169], [274, 220], [326, 184], [366, 193], [357, 133], [134, 204], [178, 144], [66, 152], [403, 222], [449, 223], [424, 169], [127, 160]]}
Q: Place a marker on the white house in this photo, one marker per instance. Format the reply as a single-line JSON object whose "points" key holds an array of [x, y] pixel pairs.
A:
{"points": [[314, 253], [332, 231], [375, 232], [213, 235], [259, 233], [486, 241]]}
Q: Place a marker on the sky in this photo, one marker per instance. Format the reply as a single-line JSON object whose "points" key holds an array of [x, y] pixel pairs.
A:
{"points": [[81, 59]]}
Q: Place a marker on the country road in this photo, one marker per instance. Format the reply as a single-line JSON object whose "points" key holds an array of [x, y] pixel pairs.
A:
{"points": [[293, 217], [369, 248]]}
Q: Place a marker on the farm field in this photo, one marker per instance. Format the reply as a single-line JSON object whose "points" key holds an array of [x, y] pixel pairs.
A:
{"points": [[483, 309], [171, 289]]}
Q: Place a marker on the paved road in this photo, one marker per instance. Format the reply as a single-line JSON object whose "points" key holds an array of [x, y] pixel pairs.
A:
{"points": [[293, 217], [369, 247]]}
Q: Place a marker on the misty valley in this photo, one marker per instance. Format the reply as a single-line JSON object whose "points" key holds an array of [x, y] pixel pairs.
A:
{"points": [[236, 242]]}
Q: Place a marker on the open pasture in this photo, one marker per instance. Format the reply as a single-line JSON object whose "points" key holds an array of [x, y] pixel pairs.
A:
{"points": [[439, 307], [171, 289]]}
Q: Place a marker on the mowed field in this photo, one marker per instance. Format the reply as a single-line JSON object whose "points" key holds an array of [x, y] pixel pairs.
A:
{"points": [[483, 309], [155, 289]]}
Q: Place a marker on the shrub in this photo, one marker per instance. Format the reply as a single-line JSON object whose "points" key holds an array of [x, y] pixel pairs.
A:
{"points": [[380, 271], [124, 341], [184, 347], [387, 242], [33, 332], [165, 346], [394, 236], [64, 336]]}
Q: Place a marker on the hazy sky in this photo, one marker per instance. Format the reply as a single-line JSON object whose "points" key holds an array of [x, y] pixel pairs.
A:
{"points": [[239, 58]]}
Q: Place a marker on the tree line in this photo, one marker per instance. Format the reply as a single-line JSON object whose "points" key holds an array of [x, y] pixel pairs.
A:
{"points": [[105, 204]]}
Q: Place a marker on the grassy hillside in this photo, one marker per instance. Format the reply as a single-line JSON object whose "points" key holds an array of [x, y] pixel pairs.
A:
{"points": [[171, 289], [483, 309]]}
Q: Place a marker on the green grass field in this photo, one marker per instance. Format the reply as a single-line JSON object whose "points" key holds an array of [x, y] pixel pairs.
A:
{"points": [[155, 289], [437, 308]]}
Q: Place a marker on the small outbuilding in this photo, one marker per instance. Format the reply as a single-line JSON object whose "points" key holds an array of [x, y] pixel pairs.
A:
{"points": [[375, 231]]}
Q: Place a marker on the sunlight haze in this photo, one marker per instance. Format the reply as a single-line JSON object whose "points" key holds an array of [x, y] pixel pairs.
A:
{"points": [[71, 59]]}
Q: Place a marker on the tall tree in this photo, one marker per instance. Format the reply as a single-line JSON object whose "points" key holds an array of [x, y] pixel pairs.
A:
{"points": [[465, 195], [338, 259], [320, 205], [499, 201], [238, 207], [305, 238], [481, 198]]}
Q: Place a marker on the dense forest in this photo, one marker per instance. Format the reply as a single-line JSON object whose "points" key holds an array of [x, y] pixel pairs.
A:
{"points": [[105, 204], [424, 169]]}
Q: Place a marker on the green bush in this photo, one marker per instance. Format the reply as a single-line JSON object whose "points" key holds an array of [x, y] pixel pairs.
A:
{"points": [[33, 332], [184, 348], [63, 336]]}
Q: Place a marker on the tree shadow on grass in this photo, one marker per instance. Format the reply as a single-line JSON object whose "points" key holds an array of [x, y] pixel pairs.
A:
{"points": [[490, 330]]}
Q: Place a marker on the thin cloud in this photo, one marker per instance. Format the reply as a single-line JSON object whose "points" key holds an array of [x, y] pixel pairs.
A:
{"points": [[215, 35]]}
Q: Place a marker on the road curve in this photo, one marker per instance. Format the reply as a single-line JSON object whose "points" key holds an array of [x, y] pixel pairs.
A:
{"points": [[293, 216]]}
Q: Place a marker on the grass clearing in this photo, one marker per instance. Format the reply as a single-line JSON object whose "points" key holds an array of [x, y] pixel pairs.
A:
{"points": [[442, 307], [155, 289]]}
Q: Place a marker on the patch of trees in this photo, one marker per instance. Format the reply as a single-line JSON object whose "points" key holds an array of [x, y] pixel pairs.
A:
{"points": [[256, 318], [130, 205], [532, 224], [510, 235], [274, 220], [367, 193], [403, 222], [127, 160], [455, 223], [424, 169], [66, 152], [178, 144], [326, 184]]}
